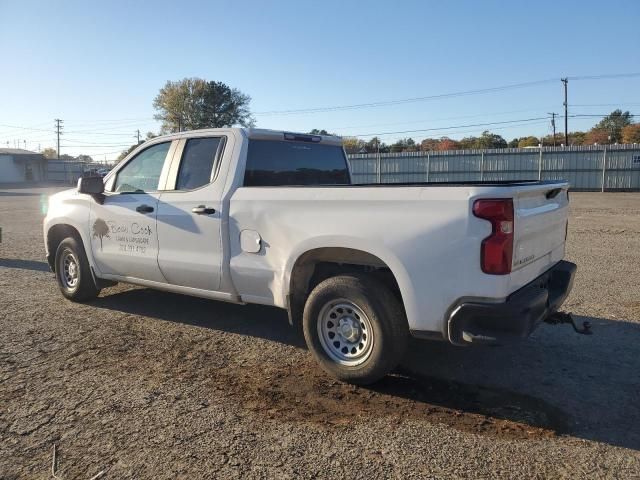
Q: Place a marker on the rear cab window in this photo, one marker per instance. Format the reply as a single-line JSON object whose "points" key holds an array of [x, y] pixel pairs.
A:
{"points": [[198, 162], [273, 163]]}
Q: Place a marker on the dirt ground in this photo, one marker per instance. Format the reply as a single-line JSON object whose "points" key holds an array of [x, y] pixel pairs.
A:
{"points": [[145, 384]]}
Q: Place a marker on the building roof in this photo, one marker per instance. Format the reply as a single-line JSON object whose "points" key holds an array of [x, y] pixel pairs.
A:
{"points": [[17, 151]]}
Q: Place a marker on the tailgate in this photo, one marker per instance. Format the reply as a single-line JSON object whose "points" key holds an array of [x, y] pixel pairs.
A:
{"points": [[540, 223]]}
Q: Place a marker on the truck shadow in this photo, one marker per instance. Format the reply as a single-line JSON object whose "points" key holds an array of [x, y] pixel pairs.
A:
{"points": [[24, 264], [557, 381]]}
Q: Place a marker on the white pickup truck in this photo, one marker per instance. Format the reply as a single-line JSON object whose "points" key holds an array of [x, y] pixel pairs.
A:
{"points": [[259, 216]]}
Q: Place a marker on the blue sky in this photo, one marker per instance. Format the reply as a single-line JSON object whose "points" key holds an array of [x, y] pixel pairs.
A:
{"points": [[98, 65]]}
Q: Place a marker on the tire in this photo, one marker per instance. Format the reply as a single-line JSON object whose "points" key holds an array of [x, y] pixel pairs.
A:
{"points": [[355, 328], [73, 272]]}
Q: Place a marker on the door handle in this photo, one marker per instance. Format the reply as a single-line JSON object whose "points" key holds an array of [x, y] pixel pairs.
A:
{"points": [[202, 210], [144, 209]]}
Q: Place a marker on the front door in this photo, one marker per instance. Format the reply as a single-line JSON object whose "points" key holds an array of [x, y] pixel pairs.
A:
{"points": [[189, 215], [124, 235]]}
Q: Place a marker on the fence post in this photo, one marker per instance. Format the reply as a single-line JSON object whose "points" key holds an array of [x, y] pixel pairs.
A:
{"points": [[428, 164], [378, 168], [540, 164], [604, 166], [482, 166]]}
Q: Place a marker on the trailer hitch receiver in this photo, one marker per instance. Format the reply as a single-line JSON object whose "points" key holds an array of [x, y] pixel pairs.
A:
{"points": [[557, 318]]}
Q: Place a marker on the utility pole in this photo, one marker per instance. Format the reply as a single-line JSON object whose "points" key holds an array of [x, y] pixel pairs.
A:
{"points": [[138, 135], [58, 130], [566, 115], [553, 125]]}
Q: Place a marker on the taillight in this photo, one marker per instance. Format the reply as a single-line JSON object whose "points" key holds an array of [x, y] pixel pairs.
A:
{"points": [[497, 249]]}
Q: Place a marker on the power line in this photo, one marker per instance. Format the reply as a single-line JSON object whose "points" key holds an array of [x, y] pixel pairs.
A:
{"points": [[605, 76], [407, 100], [24, 128], [488, 114], [402, 132], [444, 95], [634, 104]]}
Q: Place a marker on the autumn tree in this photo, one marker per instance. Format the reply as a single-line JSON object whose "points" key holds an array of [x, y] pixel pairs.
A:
{"points": [[447, 144], [429, 144], [596, 136], [193, 103], [353, 145], [631, 133], [613, 124], [50, 153]]}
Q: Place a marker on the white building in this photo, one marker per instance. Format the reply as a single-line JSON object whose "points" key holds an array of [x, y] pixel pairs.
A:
{"points": [[18, 165]]}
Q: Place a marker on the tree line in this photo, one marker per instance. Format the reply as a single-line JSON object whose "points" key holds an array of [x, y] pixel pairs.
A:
{"points": [[617, 127]]}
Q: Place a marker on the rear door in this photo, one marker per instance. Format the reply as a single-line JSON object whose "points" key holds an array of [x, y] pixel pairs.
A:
{"points": [[541, 214], [190, 214], [124, 237]]}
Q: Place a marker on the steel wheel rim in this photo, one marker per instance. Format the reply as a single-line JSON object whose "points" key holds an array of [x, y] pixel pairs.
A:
{"points": [[70, 272], [345, 332]]}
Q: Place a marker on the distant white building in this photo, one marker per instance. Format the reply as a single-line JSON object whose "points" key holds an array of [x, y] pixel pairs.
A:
{"points": [[18, 165]]}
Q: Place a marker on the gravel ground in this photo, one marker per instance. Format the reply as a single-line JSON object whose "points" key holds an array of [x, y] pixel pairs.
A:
{"points": [[144, 384]]}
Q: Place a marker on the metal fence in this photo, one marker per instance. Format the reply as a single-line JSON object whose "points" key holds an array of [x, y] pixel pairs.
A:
{"points": [[598, 167], [70, 172]]}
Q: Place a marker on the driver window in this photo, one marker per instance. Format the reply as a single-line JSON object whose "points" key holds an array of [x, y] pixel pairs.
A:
{"points": [[142, 173]]}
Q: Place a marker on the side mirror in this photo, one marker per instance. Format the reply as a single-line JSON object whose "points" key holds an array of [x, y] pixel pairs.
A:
{"points": [[91, 185]]}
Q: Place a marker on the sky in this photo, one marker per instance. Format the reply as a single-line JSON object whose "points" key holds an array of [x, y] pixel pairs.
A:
{"points": [[99, 65]]}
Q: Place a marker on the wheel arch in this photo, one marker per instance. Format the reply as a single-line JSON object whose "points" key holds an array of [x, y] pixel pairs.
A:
{"points": [[56, 234], [317, 262]]}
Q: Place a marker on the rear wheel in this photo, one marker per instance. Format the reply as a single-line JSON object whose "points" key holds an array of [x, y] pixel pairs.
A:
{"points": [[73, 272], [355, 327]]}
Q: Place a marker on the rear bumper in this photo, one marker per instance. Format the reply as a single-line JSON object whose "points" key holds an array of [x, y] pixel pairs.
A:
{"points": [[481, 322]]}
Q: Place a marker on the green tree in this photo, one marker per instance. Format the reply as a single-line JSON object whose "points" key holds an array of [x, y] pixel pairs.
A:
{"points": [[315, 131], [528, 142], [193, 103], [631, 133], [491, 140], [404, 145], [376, 145], [484, 141], [576, 138], [613, 124]]}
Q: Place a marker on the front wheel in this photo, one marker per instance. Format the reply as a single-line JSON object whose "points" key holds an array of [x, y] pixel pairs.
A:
{"points": [[73, 271], [355, 327]]}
